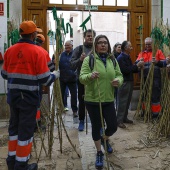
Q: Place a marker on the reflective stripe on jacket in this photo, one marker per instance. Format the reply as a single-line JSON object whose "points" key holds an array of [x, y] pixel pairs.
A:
{"points": [[25, 68]]}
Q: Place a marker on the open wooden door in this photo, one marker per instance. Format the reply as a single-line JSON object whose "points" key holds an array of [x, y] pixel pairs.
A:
{"points": [[140, 9], [36, 10]]}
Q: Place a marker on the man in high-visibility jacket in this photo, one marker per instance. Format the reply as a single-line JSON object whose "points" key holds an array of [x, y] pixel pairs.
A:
{"points": [[159, 61], [25, 68]]}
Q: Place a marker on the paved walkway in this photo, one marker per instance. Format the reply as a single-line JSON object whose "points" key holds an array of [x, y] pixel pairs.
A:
{"points": [[87, 147]]}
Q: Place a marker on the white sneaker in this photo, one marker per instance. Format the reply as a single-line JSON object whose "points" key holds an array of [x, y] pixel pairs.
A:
{"points": [[66, 109]]}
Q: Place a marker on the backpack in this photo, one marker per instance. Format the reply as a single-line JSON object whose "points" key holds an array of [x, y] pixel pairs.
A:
{"points": [[91, 62], [91, 58]]}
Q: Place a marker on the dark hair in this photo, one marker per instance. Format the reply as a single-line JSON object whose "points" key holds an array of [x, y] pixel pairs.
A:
{"points": [[124, 45], [26, 36], [114, 47], [89, 30], [97, 39], [38, 40]]}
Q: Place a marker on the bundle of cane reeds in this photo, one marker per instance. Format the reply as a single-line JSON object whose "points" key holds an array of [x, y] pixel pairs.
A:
{"points": [[53, 115], [139, 106], [163, 128], [57, 107], [146, 91]]}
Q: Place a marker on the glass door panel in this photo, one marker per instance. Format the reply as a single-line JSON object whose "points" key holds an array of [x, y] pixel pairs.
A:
{"points": [[110, 2], [69, 1], [96, 2], [80, 2], [55, 1], [122, 2]]}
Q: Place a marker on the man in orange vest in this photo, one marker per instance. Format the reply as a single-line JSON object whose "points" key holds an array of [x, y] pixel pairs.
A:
{"points": [[25, 68], [159, 61]]}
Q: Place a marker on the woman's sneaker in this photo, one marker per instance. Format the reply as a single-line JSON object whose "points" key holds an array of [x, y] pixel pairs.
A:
{"points": [[108, 146], [99, 160]]}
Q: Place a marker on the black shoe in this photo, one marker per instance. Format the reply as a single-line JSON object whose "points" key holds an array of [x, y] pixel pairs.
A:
{"points": [[128, 121], [142, 113], [75, 114], [11, 167], [10, 162], [121, 125], [33, 166], [155, 116]]}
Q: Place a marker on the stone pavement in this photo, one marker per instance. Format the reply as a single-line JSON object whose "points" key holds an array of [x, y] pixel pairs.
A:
{"points": [[129, 152], [87, 147]]}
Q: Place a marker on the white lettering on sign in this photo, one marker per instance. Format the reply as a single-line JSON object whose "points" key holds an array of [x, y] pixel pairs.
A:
{"points": [[85, 1], [93, 7]]}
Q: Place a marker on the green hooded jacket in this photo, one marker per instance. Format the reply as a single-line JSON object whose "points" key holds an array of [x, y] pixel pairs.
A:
{"points": [[102, 86]]}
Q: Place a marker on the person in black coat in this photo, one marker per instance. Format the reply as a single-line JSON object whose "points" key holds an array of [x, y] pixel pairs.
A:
{"points": [[68, 76], [116, 52], [125, 91]]}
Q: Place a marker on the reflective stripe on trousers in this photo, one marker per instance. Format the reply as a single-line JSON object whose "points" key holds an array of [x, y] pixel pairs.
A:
{"points": [[21, 129]]}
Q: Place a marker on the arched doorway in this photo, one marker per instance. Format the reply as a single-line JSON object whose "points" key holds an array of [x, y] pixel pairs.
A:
{"points": [[37, 10]]}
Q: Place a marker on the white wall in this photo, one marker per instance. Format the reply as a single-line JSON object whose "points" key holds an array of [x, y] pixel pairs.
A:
{"points": [[111, 24], [156, 10], [166, 9], [3, 39], [15, 14], [3, 27]]}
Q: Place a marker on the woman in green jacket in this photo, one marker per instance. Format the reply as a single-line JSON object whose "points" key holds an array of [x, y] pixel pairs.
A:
{"points": [[100, 82]]}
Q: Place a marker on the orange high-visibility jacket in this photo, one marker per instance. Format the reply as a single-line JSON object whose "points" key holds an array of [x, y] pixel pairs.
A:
{"points": [[25, 68], [147, 57]]}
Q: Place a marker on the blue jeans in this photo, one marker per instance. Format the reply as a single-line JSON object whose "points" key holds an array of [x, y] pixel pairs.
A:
{"points": [[72, 86], [65, 96]]}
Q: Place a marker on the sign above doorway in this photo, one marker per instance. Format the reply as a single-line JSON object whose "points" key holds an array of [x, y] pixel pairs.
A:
{"points": [[85, 1], [91, 7]]}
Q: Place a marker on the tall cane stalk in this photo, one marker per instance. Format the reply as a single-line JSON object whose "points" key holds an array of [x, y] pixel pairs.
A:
{"points": [[139, 106], [100, 105], [57, 102]]}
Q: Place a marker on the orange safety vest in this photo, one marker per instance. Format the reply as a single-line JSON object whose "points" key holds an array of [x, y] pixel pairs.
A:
{"points": [[147, 57]]}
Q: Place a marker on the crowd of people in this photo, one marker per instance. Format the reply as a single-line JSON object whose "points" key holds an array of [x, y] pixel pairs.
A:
{"points": [[99, 77]]}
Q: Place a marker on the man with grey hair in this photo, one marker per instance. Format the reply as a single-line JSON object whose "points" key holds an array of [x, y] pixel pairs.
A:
{"points": [[125, 91], [68, 77], [159, 60]]}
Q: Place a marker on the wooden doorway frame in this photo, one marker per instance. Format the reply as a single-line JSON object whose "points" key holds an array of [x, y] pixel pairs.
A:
{"points": [[37, 10]]}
